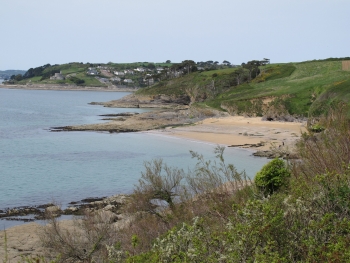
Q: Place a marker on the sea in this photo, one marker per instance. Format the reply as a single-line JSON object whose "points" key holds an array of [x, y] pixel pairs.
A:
{"points": [[38, 166]]}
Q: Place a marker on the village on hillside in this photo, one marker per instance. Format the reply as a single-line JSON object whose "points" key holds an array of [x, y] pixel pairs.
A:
{"points": [[140, 74]]}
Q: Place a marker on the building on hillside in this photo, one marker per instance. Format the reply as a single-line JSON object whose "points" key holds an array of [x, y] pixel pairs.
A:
{"points": [[140, 69], [58, 76], [92, 71], [116, 79], [148, 81], [119, 73], [129, 71], [128, 81]]}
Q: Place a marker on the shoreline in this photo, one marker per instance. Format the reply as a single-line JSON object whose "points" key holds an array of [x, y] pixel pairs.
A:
{"points": [[228, 131], [67, 88], [24, 239], [225, 131], [238, 131]]}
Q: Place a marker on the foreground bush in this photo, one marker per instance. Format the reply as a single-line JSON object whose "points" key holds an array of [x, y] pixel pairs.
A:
{"points": [[298, 227]]}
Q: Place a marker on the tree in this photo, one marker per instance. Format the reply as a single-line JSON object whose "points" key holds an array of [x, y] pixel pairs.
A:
{"points": [[252, 66], [238, 75], [158, 182], [272, 176], [168, 61], [18, 77], [189, 65], [151, 66], [264, 62]]}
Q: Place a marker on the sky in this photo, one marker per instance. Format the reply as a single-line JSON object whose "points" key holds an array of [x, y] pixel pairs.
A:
{"points": [[37, 32]]}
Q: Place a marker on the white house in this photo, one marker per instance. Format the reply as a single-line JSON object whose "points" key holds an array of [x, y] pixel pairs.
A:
{"points": [[129, 71], [149, 81], [119, 73], [115, 79], [92, 71], [140, 69]]}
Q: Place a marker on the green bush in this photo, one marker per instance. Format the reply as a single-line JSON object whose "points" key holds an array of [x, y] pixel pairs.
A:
{"points": [[76, 80], [317, 128], [272, 176]]}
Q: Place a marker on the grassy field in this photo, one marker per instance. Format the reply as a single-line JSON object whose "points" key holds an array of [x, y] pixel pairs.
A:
{"points": [[71, 68], [301, 89]]}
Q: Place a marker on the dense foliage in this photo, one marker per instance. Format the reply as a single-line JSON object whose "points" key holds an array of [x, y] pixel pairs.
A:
{"points": [[272, 177]]}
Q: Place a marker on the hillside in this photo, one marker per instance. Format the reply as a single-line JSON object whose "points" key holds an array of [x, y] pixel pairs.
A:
{"points": [[6, 74], [275, 91], [88, 74], [280, 91]]}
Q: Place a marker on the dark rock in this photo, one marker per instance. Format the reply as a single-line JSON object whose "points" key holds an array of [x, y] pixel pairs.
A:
{"points": [[92, 199], [45, 205], [123, 114]]}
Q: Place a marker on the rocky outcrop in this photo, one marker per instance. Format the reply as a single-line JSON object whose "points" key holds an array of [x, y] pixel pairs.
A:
{"points": [[271, 154], [32, 213], [147, 101], [147, 121]]}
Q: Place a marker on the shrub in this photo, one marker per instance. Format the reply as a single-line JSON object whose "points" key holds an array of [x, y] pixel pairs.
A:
{"points": [[272, 176], [327, 150], [316, 128], [85, 241], [76, 80]]}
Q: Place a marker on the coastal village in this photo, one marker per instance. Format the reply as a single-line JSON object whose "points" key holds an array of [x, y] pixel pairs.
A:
{"points": [[135, 75]]}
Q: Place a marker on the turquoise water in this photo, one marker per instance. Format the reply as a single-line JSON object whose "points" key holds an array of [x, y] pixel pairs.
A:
{"points": [[38, 166]]}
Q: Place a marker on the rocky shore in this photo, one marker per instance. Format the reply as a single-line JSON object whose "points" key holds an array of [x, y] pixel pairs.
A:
{"points": [[74, 208], [168, 112], [24, 240]]}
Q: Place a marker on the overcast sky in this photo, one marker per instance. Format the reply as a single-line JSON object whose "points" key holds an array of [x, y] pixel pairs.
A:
{"points": [[37, 32]]}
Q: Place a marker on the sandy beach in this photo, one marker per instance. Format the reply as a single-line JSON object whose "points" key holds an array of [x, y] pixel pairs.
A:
{"points": [[238, 131]]}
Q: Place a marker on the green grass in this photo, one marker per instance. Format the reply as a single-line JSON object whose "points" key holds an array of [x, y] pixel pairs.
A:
{"points": [[219, 71], [305, 87], [89, 80], [302, 88]]}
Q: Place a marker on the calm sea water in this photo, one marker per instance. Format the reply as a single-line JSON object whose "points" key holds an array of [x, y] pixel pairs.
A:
{"points": [[38, 166]]}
